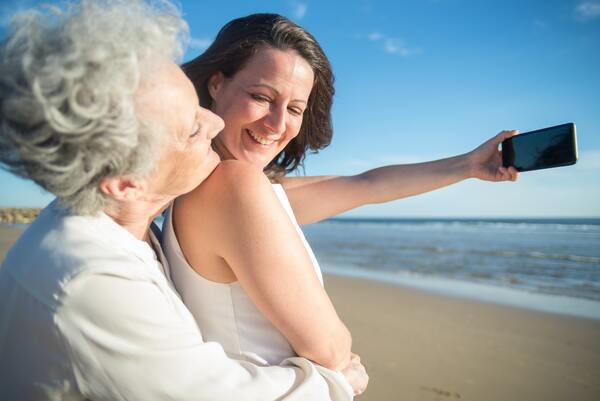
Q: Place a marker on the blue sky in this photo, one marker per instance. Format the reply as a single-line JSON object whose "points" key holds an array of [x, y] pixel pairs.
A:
{"points": [[418, 80]]}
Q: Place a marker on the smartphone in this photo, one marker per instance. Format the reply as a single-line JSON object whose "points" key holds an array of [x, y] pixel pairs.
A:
{"points": [[544, 148]]}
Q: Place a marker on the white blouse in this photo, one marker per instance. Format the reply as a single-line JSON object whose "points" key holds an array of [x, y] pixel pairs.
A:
{"points": [[87, 313]]}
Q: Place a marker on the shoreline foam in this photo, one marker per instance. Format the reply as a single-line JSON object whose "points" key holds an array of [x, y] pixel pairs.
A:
{"points": [[557, 304]]}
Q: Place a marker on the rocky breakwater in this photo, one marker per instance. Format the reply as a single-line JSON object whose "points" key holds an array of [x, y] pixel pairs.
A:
{"points": [[18, 215]]}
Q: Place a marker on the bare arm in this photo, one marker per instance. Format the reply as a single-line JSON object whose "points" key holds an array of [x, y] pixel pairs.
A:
{"points": [[317, 198], [242, 224]]}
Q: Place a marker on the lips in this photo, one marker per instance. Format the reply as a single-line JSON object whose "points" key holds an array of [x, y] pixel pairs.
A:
{"points": [[259, 139], [210, 152]]}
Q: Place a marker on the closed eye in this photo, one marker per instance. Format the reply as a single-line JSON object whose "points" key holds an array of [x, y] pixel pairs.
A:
{"points": [[260, 98], [296, 111], [195, 130]]}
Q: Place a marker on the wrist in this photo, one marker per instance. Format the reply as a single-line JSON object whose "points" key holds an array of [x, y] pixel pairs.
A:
{"points": [[345, 383], [465, 166]]}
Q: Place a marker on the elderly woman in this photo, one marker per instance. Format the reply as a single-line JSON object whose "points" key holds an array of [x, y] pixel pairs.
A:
{"points": [[93, 109]]}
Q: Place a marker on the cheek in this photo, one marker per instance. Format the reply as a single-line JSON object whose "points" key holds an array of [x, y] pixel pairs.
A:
{"points": [[294, 128], [244, 112], [197, 154], [181, 169], [241, 115], [188, 160]]}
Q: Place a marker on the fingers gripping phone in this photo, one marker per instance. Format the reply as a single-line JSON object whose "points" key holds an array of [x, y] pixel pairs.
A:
{"points": [[544, 148]]}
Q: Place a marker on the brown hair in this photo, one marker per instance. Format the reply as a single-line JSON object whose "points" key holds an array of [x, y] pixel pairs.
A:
{"points": [[241, 39]]}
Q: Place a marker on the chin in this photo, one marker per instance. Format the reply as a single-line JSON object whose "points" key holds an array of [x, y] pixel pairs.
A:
{"points": [[207, 170], [255, 159]]}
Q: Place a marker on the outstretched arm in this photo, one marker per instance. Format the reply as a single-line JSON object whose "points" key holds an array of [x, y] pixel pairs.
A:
{"points": [[317, 198], [235, 222]]}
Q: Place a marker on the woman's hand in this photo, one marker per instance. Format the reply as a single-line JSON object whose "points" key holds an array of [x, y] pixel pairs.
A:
{"points": [[356, 374], [485, 162]]}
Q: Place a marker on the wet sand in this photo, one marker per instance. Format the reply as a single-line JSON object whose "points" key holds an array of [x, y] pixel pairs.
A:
{"points": [[426, 347], [7, 237], [423, 346]]}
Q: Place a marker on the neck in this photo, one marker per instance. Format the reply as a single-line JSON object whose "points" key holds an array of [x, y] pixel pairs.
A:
{"points": [[221, 150], [135, 218]]}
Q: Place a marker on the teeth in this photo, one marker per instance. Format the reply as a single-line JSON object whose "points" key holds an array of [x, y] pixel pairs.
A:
{"points": [[258, 139]]}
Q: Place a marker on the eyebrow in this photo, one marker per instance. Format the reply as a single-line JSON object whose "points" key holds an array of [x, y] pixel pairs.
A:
{"points": [[276, 91]]}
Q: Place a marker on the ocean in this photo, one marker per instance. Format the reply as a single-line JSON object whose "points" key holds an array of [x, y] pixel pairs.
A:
{"points": [[551, 265], [547, 264]]}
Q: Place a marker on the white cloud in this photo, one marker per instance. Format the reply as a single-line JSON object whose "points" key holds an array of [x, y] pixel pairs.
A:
{"points": [[375, 36], [392, 45], [200, 43], [397, 46], [358, 164], [298, 9], [589, 160], [407, 159], [588, 10], [384, 160]]}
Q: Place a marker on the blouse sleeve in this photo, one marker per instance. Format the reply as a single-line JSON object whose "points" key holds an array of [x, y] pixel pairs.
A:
{"points": [[130, 339]]}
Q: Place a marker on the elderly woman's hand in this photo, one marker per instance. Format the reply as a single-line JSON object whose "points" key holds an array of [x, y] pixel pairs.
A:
{"points": [[356, 374], [486, 161]]}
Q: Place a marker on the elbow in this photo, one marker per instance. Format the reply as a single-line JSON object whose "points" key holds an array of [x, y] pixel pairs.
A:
{"points": [[369, 188], [332, 352]]}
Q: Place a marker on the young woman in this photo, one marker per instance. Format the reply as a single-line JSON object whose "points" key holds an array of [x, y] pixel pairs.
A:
{"points": [[237, 254]]}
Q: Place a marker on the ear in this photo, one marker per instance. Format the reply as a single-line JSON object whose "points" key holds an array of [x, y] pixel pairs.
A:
{"points": [[122, 189], [214, 84]]}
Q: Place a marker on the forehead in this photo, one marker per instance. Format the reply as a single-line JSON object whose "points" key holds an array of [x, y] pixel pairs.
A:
{"points": [[278, 68], [166, 93], [166, 80]]}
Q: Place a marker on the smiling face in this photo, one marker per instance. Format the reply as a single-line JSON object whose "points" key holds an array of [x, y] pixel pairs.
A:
{"points": [[168, 99], [262, 105]]}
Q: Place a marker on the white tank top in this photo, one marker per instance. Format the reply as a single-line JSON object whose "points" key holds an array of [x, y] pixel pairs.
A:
{"points": [[224, 312]]}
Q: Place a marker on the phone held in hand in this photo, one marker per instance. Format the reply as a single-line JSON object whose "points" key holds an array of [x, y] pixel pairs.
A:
{"points": [[544, 148]]}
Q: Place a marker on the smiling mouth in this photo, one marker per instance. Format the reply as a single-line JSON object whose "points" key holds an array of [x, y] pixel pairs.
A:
{"points": [[259, 139]]}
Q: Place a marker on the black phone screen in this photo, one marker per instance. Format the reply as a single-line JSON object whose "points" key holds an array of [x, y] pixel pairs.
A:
{"points": [[545, 148]]}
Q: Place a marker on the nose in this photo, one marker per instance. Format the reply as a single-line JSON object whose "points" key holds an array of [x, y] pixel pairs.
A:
{"points": [[275, 120], [213, 123]]}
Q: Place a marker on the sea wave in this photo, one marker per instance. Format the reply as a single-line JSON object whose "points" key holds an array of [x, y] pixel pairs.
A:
{"points": [[591, 226], [362, 247], [526, 254]]}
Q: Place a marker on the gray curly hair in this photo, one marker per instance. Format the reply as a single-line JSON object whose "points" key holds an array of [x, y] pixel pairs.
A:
{"points": [[67, 81]]}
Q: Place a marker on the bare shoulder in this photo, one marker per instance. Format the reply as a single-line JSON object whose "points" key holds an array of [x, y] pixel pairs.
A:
{"points": [[232, 182], [235, 200], [213, 212], [237, 174]]}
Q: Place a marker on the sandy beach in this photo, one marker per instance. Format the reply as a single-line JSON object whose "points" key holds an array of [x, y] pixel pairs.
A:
{"points": [[7, 237], [423, 346]]}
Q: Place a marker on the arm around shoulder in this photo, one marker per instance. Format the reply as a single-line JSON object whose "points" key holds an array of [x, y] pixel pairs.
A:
{"points": [[141, 343]]}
